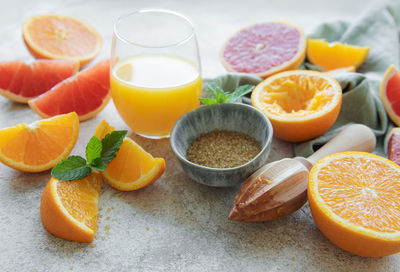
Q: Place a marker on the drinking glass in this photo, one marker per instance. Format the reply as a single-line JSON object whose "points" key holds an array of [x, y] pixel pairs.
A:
{"points": [[155, 72]]}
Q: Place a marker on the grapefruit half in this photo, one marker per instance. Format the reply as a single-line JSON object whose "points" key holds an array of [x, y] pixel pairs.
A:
{"points": [[390, 93], [86, 93], [21, 82], [265, 49]]}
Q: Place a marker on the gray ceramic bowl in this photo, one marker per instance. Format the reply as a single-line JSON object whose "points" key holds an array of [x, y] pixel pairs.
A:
{"points": [[232, 117]]}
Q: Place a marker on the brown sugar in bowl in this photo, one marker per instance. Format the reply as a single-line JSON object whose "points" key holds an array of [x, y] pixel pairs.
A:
{"points": [[228, 117]]}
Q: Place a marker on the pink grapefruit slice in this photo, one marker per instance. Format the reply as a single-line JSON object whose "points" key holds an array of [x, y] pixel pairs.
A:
{"points": [[390, 93], [265, 49], [394, 145], [21, 82], [87, 93]]}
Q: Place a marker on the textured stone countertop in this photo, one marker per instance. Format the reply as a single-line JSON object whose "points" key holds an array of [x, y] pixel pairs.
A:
{"points": [[174, 224]]}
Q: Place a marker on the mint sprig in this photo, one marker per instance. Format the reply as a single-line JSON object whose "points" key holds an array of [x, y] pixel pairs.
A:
{"points": [[98, 155], [220, 96]]}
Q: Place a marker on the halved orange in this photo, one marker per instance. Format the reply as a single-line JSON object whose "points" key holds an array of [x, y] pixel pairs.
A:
{"points": [[389, 92], [335, 55], [133, 168], [41, 145], [354, 199], [301, 105], [69, 208], [61, 37]]}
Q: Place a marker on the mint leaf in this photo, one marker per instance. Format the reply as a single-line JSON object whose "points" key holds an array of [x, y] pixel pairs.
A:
{"points": [[98, 155], [220, 96], [208, 101], [239, 92], [71, 168], [111, 144], [98, 164], [93, 149], [214, 89], [223, 97]]}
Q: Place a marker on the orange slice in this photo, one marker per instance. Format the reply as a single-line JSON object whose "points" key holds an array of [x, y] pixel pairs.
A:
{"points": [[353, 198], [301, 105], [133, 168], [61, 37], [41, 145], [69, 208], [336, 55], [389, 92]]}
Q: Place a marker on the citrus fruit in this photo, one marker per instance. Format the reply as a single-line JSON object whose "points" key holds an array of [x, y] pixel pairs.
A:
{"points": [[336, 55], [394, 145], [133, 168], [389, 92], [301, 105], [41, 145], [353, 198], [61, 37], [69, 208], [341, 70], [21, 82], [86, 93], [264, 49]]}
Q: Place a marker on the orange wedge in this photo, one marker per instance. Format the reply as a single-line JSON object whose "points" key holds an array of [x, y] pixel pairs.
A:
{"points": [[61, 37], [133, 168], [338, 71], [301, 105], [354, 199], [41, 145], [69, 208], [336, 55]]}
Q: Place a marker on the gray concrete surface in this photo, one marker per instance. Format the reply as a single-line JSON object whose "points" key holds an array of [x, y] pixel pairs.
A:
{"points": [[174, 224]]}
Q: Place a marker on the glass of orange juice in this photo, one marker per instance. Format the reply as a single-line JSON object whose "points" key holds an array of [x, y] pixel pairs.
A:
{"points": [[155, 72]]}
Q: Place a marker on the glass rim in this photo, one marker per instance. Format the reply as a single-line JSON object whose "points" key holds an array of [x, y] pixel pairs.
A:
{"points": [[154, 10]]}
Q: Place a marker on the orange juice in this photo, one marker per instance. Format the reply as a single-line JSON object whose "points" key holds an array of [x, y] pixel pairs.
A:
{"points": [[151, 92]]}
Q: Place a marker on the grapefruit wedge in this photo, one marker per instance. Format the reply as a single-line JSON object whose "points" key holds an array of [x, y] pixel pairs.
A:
{"points": [[394, 145], [21, 82], [265, 49], [390, 93], [87, 94]]}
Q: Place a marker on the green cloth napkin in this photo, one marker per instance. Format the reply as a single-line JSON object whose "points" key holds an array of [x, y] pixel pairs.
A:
{"points": [[378, 28]]}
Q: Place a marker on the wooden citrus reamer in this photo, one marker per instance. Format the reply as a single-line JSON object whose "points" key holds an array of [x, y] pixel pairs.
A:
{"points": [[280, 188]]}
